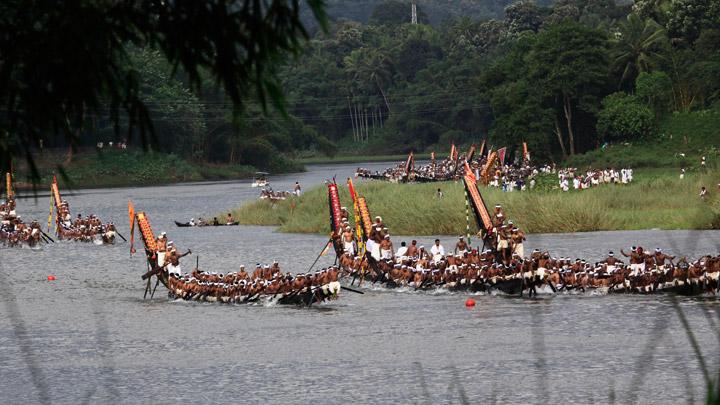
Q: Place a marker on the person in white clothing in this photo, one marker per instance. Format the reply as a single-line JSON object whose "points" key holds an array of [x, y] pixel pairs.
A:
{"points": [[402, 251], [437, 251]]}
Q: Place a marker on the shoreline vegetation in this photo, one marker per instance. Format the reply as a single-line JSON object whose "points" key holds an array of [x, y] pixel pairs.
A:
{"points": [[657, 199], [130, 167], [125, 168]]}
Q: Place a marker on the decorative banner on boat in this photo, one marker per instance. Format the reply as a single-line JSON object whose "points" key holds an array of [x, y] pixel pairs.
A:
{"points": [[335, 215], [365, 215], [55, 192], [526, 154], [356, 214], [485, 173], [501, 155], [131, 216], [482, 216], [52, 204], [470, 154], [409, 164], [146, 232], [482, 148], [8, 185]]}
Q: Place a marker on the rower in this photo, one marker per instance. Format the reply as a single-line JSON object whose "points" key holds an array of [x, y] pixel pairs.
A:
{"points": [[192, 222], [461, 246], [230, 219], [412, 250], [517, 237], [161, 248], [611, 262], [660, 257], [349, 241], [386, 248]]}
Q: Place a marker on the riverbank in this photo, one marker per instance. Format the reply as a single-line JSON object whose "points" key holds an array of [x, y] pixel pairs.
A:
{"points": [[357, 158], [657, 199], [121, 168]]}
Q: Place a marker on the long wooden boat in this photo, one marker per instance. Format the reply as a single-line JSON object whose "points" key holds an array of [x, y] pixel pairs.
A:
{"points": [[264, 285], [90, 229], [13, 231], [188, 225], [477, 272]]}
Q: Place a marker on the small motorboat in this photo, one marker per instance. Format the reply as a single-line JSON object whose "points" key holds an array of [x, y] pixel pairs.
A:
{"points": [[260, 179]]}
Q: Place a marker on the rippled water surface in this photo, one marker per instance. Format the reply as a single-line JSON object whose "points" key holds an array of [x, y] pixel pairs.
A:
{"points": [[89, 336]]}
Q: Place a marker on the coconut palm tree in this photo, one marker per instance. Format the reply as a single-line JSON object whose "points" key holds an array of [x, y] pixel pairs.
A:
{"points": [[371, 67], [637, 46]]}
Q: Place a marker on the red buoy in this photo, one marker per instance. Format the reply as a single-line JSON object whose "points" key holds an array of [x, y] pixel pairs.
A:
{"points": [[470, 302], [51, 278]]}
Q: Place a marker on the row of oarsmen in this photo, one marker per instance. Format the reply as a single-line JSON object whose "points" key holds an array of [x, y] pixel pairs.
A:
{"points": [[235, 286]]}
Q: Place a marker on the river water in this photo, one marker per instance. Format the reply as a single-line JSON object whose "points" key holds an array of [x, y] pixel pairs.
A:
{"points": [[90, 337]]}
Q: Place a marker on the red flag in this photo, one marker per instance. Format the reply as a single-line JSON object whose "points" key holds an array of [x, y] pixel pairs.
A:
{"points": [[501, 155], [453, 152]]}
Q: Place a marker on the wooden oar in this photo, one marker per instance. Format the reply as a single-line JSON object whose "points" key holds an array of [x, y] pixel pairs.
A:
{"points": [[47, 236], [351, 289], [318, 257]]}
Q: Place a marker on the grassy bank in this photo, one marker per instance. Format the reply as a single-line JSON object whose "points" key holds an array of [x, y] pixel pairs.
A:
{"points": [[115, 168], [657, 199]]}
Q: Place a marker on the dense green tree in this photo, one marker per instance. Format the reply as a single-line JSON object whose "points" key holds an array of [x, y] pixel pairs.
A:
{"points": [[655, 89], [637, 47], [523, 16], [687, 19], [568, 64], [624, 117]]}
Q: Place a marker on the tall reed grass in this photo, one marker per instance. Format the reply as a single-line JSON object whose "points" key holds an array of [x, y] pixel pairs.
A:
{"points": [[656, 200]]}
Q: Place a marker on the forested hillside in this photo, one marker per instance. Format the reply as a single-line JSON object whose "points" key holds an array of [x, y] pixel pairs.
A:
{"points": [[566, 78]]}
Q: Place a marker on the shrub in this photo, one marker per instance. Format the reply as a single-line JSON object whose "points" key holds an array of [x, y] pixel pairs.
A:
{"points": [[624, 117]]}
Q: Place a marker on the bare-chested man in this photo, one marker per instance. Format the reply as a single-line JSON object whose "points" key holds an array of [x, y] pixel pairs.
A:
{"points": [[637, 259], [161, 248], [386, 248], [517, 237], [412, 250], [348, 239], [461, 247], [659, 258]]}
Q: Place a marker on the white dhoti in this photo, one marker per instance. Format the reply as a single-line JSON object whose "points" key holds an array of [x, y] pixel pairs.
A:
{"points": [[386, 254], [502, 244], [519, 250], [174, 269], [349, 248], [375, 251], [160, 258], [637, 268], [611, 269]]}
